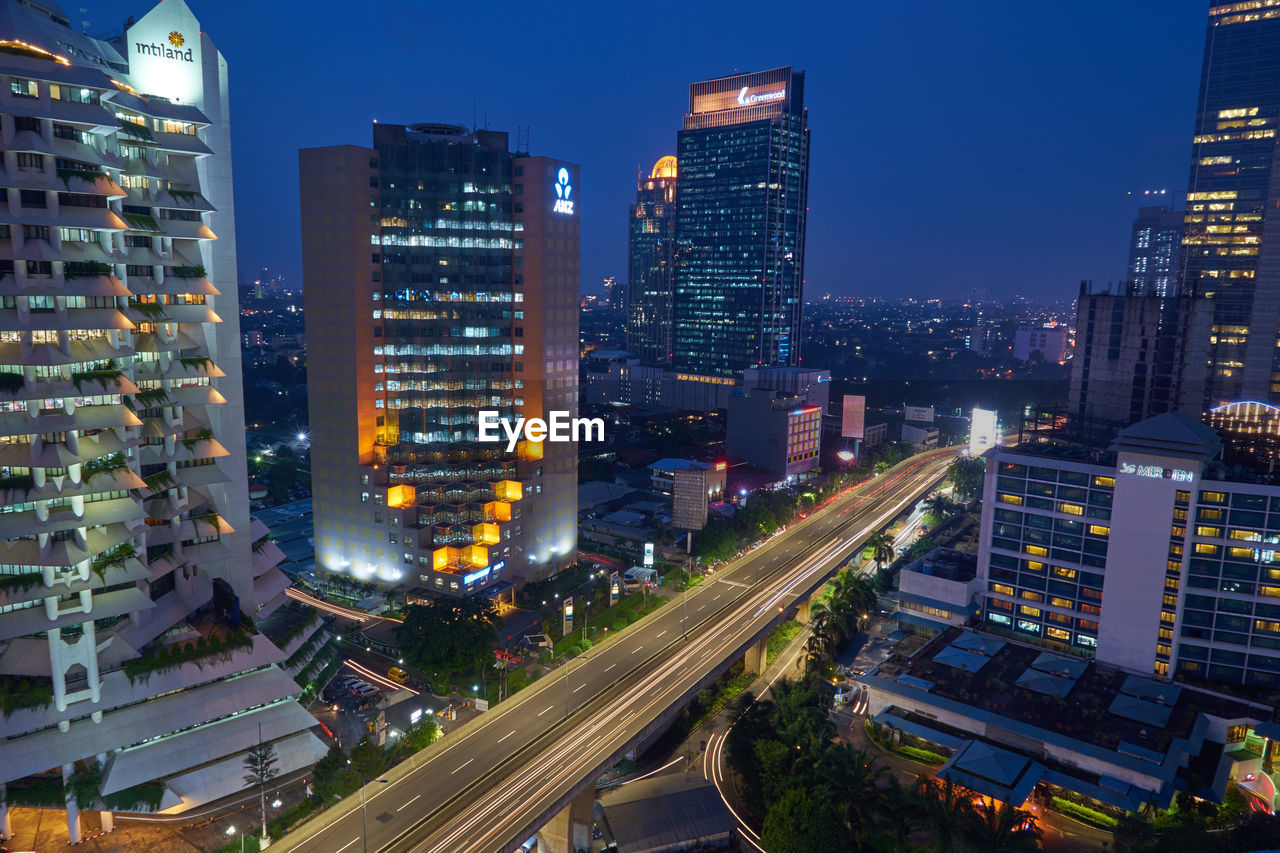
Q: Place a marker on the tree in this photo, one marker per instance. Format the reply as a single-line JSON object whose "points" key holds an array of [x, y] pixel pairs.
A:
{"points": [[966, 475], [367, 759], [715, 542], [939, 506], [947, 812], [1002, 829], [332, 777], [421, 734], [450, 636], [880, 544], [802, 821], [260, 769]]}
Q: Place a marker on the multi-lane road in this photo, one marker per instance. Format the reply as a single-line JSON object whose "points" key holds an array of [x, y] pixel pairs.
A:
{"points": [[485, 786]]}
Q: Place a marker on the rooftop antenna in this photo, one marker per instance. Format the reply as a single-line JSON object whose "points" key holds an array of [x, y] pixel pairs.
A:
{"points": [[84, 25]]}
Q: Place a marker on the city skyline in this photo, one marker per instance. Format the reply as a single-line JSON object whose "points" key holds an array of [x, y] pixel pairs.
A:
{"points": [[1092, 141]]}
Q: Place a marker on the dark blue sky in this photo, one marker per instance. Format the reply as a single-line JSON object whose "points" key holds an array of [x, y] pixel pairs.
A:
{"points": [[954, 144]]}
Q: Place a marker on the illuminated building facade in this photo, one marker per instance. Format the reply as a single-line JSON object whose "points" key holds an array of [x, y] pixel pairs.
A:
{"points": [[442, 274], [129, 547], [1228, 226], [740, 222], [1147, 556], [651, 252], [1155, 251], [775, 431], [1250, 431]]}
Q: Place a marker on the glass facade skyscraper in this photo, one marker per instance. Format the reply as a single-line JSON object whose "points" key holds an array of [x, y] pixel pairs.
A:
{"points": [[1155, 251], [740, 222], [1230, 228], [651, 253]]}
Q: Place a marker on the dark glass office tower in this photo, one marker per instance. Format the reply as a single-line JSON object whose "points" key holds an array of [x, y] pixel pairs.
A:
{"points": [[651, 252], [1232, 226], [740, 223], [1155, 251]]}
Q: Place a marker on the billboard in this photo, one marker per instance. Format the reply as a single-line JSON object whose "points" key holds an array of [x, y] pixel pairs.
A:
{"points": [[918, 413], [983, 431], [853, 416], [648, 555]]}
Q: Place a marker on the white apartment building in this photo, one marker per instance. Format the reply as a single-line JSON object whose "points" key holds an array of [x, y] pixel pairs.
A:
{"points": [[131, 578]]}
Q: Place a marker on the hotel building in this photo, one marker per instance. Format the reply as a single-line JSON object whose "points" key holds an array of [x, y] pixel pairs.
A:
{"points": [[1145, 556], [132, 576], [442, 277], [740, 222]]}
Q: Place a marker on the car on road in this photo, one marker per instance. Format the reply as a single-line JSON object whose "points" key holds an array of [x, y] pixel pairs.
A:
{"points": [[398, 675]]}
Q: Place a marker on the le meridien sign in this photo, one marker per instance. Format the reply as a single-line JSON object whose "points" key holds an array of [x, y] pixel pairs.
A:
{"points": [[1157, 472], [746, 97]]}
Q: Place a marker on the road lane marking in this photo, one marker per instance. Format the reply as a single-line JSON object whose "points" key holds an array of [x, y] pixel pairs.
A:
{"points": [[460, 766], [609, 667], [660, 635], [579, 687], [717, 598], [406, 805], [545, 710], [348, 844], [507, 735], [702, 608]]}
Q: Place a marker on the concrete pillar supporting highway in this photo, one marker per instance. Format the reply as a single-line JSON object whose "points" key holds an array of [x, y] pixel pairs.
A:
{"points": [[570, 830], [6, 820], [108, 821], [756, 658], [802, 612], [73, 810]]}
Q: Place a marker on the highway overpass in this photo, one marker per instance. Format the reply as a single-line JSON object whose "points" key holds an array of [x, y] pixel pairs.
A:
{"points": [[530, 764]]}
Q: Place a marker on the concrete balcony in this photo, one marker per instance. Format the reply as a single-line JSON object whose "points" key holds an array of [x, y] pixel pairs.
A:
{"points": [[20, 623]]}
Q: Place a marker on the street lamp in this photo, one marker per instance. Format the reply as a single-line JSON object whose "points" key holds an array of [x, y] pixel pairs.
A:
{"points": [[231, 830], [364, 811]]}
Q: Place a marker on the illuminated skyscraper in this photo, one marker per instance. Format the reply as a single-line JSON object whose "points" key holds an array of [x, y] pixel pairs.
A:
{"points": [[1232, 230], [651, 248], [740, 223], [131, 567], [1155, 251], [441, 277]]}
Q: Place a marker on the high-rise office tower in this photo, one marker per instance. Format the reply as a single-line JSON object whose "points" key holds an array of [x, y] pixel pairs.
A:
{"points": [[1155, 251], [441, 275], [651, 253], [740, 222], [1231, 224], [130, 566]]}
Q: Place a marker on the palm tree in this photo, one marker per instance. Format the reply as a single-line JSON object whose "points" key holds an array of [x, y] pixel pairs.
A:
{"points": [[1002, 829], [939, 506], [855, 779], [881, 546], [946, 811]]}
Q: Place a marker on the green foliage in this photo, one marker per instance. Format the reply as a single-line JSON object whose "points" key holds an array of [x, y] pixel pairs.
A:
{"points": [[11, 382], [141, 221], [87, 175], [40, 792], [17, 693], [802, 821], [1084, 813], [151, 397], [103, 464], [84, 269], [310, 617], [966, 475], [782, 635], [139, 131], [153, 311], [113, 557], [22, 582], [168, 657], [368, 759], [196, 271], [922, 755], [260, 764], [283, 822], [198, 361], [450, 636], [420, 735], [250, 844], [159, 480], [20, 482], [189, 196], [837, 621], [332, 778], [140, 798], [83, 785], [101, 377]]}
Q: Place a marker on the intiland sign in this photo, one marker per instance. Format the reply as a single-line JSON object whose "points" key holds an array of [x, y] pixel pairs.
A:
{"points": [[173, 50]]}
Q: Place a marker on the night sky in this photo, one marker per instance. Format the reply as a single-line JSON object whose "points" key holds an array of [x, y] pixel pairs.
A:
{"points": [[954, 144]]}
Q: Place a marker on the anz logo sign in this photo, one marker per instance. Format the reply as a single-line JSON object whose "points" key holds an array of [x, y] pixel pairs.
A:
{"points": [[564, 204]]}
